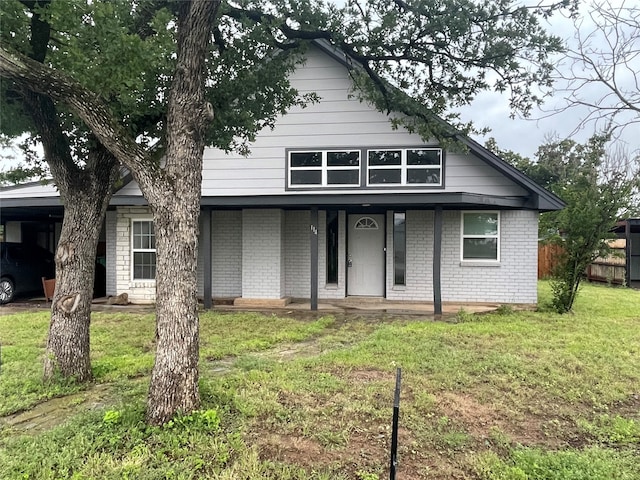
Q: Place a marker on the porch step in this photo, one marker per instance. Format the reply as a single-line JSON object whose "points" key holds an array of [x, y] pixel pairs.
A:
{"points": [[261, 302]]}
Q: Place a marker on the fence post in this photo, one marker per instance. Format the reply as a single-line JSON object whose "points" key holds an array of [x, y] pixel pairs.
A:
{"points": [[394, 430]]}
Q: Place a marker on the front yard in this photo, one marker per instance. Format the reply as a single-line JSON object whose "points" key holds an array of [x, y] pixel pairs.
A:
{"points": [[509, 395]]}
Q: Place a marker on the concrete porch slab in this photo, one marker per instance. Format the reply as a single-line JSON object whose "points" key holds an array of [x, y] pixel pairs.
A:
{"points": [[261, 302]]}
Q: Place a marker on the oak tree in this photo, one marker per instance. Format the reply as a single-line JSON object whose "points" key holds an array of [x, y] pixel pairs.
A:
{"points": [[229, 60]]}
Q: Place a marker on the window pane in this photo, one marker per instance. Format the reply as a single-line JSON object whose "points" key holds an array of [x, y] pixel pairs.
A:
{"points": [[332, 246], [423, 157], [306, 177], [137, 228], [384, 176], [306, 159], [423, 175], [343, 177], [144, 265], [399, 248], [480, 224], [480, 248], [343, 159], [385, 157]]}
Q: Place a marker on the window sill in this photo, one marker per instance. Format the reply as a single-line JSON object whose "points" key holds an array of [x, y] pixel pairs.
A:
{"points": [[331, 286], [478, 263], [142, 283], [399, 288]]}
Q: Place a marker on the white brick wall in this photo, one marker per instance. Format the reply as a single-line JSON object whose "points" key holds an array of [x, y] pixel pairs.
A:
{"points": [[419, 262], [514, 280], [226, 243], [263, 274], [139, 291], [111, 234], [259, 253], [334, 290], [297, 254]]}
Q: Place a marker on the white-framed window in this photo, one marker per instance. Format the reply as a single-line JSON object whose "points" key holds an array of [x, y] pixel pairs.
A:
{"points": [[406, 167], [480, 238], [143, 250], [324, 168]]}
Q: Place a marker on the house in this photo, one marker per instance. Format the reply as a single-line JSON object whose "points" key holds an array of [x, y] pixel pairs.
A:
{"points": [[334, 202]]}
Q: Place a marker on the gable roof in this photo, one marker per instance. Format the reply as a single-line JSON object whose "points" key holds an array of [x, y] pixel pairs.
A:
{"points": [[543, 199]]}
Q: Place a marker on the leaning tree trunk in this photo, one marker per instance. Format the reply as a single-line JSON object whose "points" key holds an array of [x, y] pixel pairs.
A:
{"points": [[175, 202], [85, 198], [68, 341]]}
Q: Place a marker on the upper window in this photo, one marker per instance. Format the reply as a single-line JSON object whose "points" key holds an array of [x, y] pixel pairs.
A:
{"points": [[418, 166], [144, 250], [481, 236], [324, 168], [405, 167]]}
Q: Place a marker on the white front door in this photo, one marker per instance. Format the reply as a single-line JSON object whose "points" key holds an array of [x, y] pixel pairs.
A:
{"points": [[365, 259]]}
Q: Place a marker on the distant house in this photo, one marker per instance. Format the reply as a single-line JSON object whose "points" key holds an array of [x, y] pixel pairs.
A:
{"points": [[335, 190], [629, 230]]}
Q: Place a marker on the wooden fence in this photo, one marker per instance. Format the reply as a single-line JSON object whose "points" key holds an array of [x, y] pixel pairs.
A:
{"points": [[610, 269], [548, 255]]}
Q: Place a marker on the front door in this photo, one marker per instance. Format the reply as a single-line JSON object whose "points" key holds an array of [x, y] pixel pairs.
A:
{"points": [[365, 259]]}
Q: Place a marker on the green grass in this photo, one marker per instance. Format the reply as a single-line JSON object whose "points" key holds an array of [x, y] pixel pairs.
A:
{"points": [[509, 395]]}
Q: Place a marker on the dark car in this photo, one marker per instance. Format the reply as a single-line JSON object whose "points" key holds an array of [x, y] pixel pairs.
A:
{"points": [[22, 268]]}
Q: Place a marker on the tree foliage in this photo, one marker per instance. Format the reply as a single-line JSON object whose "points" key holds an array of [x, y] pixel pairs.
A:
{"points": [[599, 185]]}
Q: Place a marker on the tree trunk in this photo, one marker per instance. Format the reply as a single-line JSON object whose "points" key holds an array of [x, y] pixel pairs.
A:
{"points": [[175, 202], [85, 197], [174, 380], [68, 341]]}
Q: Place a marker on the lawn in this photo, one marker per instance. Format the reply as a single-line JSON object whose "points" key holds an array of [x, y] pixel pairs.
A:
{"points": [[507, 395]]}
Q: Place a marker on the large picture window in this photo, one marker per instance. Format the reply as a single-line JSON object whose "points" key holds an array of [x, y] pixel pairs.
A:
{"points": [[481, 236], [324, 169], [144, 250], [407, 167]]}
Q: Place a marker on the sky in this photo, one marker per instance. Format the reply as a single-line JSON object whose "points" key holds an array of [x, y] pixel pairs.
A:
{"points": [[523, 136]]}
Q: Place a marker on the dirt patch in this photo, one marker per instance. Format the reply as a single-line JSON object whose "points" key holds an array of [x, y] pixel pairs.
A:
{"points": [[368, 375], [480, 419], [366, 449]]}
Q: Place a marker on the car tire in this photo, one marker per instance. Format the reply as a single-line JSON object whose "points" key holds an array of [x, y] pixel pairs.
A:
{"points": [[7, 290]]}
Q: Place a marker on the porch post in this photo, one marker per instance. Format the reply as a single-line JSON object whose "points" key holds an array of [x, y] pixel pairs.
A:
{"points": [[437, 254], [627, 253], [314, 257], [205, 245]]}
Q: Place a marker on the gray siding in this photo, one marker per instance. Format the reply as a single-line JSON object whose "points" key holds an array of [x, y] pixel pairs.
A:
{"points": [[338, 120]]}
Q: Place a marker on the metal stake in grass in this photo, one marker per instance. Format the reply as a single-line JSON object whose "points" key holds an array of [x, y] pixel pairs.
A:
{"points": [[394, 429]]}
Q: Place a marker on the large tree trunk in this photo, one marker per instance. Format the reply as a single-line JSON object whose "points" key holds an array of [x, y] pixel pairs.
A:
{"points": [[174, 380], [85, 199], [175, 203]]}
